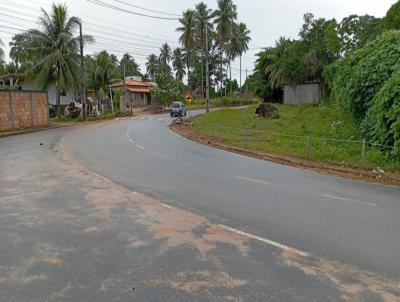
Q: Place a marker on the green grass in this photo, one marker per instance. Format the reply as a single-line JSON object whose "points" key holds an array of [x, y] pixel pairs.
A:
{"points": [[334, 136], [221, 102]]}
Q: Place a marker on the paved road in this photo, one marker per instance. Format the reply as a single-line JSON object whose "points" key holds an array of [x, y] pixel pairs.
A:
{"points": [[235, 232], [344, 220]]}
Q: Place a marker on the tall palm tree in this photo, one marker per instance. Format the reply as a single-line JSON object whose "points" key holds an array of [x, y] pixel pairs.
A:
{"points": [[56, 46], [225, 17], [243, 38], [101, 71], [152, 66], [202, 15], [187, 38], [165, 57], [178, 60], [18, 52], [1, 50]]}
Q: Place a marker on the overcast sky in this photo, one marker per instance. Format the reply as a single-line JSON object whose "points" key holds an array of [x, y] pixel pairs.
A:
{"points": [[120, 32]]}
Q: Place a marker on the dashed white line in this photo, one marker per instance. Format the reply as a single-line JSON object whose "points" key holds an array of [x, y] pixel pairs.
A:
{"points": [[141, 147], [254, 180], [267, 241], [167, 206], [160, 155], [131, 141], [365, 203]]}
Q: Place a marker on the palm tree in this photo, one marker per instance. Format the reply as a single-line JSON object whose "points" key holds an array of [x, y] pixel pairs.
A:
{"points": [[202, 15], [243, 38], [56, 47], [276, 68], [225, 17], [131, 67], [165, 57], [18, 52], [187, 38], [178, 60], [152, 66], [1, 50]]}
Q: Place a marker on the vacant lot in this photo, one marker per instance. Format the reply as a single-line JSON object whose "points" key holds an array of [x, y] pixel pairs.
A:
{"points": [[325, 133]]}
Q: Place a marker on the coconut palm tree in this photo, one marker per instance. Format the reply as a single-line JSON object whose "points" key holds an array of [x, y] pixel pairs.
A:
{"points": [[243, 38], [178, 62], [224, 20], [1, 50], [18, 52], [131, 67], [202, 15], [187, 38], [165, 57], [276, 69], [56, 46], [152, 66]]}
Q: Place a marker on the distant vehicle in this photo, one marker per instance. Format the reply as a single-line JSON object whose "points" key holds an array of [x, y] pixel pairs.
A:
{"points": [[178, 109]]}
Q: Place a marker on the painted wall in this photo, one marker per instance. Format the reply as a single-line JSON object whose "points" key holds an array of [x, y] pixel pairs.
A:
{"points": [[51, 91]]}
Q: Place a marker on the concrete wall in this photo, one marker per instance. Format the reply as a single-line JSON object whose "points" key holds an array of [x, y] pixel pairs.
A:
{"points": [[51, 90], [302, 94], [22, 109]]}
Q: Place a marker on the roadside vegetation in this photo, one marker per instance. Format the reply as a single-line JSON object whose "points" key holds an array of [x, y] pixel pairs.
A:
{"points": [[329, 130]]}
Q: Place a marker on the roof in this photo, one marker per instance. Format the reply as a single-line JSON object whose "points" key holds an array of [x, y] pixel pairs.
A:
{"points": [[19, 76], [139, 89], [130, 83]]}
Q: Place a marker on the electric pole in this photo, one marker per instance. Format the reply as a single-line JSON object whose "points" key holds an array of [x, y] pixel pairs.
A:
{"points": [[207, 73], [83, 93]]}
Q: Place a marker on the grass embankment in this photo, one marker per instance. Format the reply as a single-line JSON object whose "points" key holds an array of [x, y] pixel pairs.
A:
{"points": [[334, 138], [221, 102]]}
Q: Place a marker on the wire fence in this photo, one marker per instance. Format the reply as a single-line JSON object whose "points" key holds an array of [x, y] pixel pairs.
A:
{"points": [[345, 152]]}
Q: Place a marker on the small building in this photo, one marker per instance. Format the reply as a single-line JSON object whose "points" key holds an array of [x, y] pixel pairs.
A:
{"points": [[307, 93], [137, 93], [19, 82]]}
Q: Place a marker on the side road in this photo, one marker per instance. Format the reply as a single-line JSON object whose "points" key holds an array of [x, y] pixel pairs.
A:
{"points": [[70, 234]]}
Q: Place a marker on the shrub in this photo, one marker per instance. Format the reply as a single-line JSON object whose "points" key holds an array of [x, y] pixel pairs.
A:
{"points": [[382, 124], [362, 74]]}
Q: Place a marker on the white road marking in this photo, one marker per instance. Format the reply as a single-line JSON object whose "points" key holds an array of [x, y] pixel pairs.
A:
{"points": [[176, 134], [365, 203], [160, 155], [267, 241], [167, 206], [254, 180], [141, 147], [131, 141], [135, 193]]}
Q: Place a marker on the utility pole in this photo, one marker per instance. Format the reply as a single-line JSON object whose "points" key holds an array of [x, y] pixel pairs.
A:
{"points": [[83, 93], [246, 84], [207, 73]]}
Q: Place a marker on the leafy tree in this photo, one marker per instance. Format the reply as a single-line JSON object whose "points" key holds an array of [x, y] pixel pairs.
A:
{"points": [[167, 90], [152, 66], [178, 62], [165, 57], [356, 31], [131, 67], [392, 18], [187, 38], [362, 74], [56, 47]]}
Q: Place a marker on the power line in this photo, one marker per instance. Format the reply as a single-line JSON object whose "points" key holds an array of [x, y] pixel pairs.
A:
{"points": [[146, 9], [101, 3]]}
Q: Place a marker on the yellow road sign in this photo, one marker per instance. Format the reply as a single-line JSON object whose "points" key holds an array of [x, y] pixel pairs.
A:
{"points": [[189, 97]]}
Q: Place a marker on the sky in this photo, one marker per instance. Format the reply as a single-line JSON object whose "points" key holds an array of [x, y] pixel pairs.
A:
{"points": [[119, 32]]}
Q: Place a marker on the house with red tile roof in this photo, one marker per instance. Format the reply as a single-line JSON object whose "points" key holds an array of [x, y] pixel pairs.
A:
{"points": [[137, 93]]}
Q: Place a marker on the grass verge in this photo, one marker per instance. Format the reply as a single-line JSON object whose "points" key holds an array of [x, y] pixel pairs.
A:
{"points": [[325, 133]]}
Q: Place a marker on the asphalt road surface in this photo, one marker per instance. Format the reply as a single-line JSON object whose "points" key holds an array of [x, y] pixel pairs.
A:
{"points": [[341, 229]]}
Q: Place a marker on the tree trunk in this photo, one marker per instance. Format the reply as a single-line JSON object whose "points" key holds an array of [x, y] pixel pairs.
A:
{"points": [[58, 102], [188, 67], [222, 75], [202, 74], [240, 76], [230, 77]]}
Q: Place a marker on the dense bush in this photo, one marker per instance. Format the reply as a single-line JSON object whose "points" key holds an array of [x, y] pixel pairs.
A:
{"points": [[361, 75], [167, 90], [382, 123]]}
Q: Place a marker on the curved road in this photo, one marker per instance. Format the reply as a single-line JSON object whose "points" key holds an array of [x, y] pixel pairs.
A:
{"points": [[344, 220]]}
